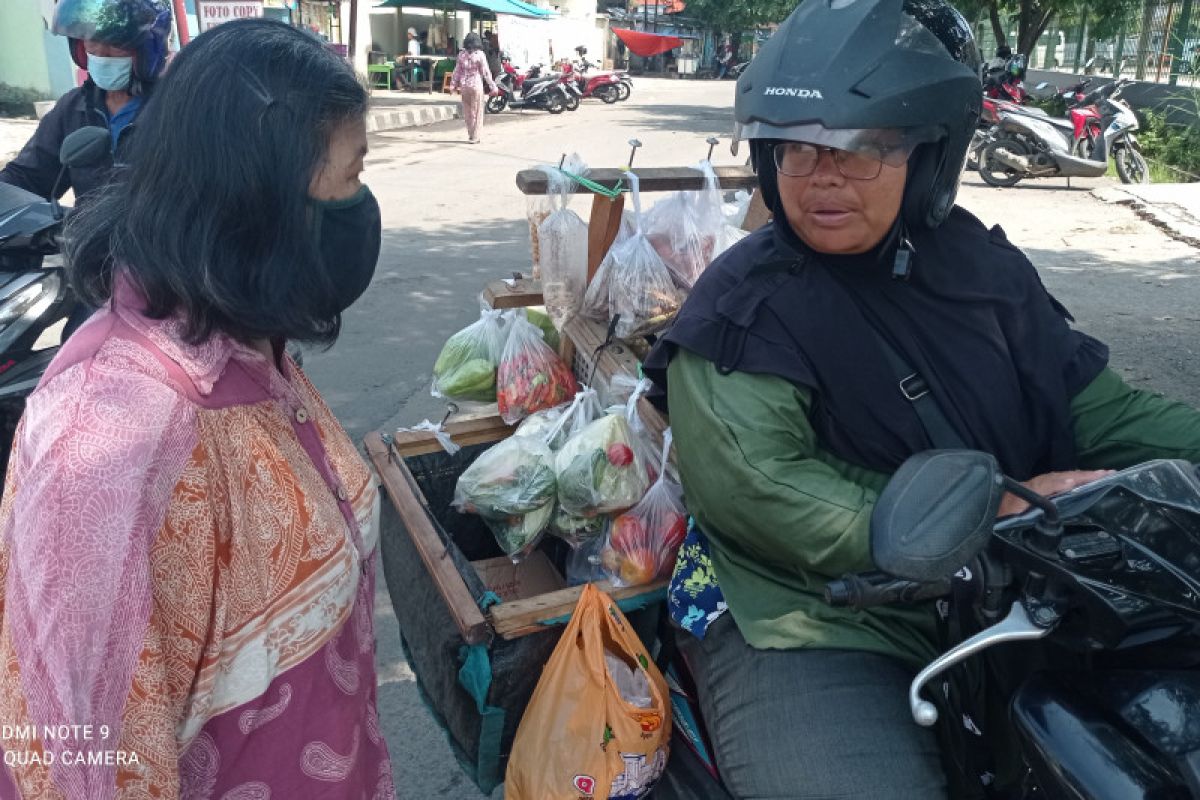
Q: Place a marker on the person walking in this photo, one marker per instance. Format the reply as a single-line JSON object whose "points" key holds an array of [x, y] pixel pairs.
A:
{"points": [[471, 73]]}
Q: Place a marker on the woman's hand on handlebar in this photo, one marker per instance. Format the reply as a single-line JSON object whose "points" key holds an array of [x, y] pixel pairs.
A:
{"points": [[1048, 485]]}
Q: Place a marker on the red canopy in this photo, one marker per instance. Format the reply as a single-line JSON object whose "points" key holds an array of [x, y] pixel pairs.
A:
{"points": [[647, 44]]}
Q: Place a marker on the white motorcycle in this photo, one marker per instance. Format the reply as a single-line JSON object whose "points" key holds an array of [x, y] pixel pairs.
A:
{"points": [[1023, 145]]}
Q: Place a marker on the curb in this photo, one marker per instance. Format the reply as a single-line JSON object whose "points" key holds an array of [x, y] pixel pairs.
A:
{"points": [[1170, 218], [410, 117]]}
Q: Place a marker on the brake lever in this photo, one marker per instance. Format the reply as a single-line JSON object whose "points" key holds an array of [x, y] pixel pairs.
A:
{"points": [[1018, 626]]}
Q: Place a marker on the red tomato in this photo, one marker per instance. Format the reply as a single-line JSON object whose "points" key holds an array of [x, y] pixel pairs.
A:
{"points": [[673, 532], [628, 533]]}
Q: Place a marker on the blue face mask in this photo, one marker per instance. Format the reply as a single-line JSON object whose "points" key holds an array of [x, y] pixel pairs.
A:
{"points": [[111, 73]]}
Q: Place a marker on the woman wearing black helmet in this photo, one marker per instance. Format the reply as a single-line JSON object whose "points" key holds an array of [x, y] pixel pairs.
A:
{"points": [[799, 376], [123, 46]]}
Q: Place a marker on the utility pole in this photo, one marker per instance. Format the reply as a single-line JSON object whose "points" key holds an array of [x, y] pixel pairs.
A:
{"points": [[353, 44], [181, 24]]}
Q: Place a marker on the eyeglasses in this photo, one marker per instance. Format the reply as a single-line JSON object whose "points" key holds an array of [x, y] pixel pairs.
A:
{"points": [[799, 159]]}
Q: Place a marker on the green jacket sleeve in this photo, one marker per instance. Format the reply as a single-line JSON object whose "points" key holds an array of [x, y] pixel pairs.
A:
{"points": [[1117, 426], [753, 476]]}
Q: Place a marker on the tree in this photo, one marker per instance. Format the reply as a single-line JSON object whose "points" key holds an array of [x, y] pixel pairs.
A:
{"points": [[1032, 17], [735, 16]]}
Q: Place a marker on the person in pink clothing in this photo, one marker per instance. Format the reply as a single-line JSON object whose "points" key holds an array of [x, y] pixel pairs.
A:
{"points": [[187, 535], [471, 74]]}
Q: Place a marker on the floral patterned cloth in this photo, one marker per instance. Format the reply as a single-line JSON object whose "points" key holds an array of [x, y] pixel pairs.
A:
{"points": [[471, 69], [187, 547], [694, 598]]}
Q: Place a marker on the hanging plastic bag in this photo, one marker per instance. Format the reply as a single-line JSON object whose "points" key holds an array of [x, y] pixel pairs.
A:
{"points": [[727, 238], [465, 370], [573, 528], [545, 325], [563, 246], [735, 212], [587, 732], [541, 424], [621, 387], [640, 437], [598, 471], [643, 542], [683, 228], [531, 376], [512, 487], [633, 282]]}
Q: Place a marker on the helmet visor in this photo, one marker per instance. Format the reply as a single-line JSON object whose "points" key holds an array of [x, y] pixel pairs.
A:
{"points": [[890, 146]]}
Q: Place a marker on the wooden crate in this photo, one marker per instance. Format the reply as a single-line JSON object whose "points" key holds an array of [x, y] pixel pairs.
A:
{"points": [[452, 629]]}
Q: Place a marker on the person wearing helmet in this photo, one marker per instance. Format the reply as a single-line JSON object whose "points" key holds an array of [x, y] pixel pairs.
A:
{"points": [[871, 320], [123, 46], [998, 64]]}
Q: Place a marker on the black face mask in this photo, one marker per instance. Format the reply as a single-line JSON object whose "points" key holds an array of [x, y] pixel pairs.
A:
{"points": [[348, 234]]}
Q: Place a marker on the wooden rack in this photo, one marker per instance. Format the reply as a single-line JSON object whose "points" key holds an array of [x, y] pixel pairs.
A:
{"points": [[522, 617]]}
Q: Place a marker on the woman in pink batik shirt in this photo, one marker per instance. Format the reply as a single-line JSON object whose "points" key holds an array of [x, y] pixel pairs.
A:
{"points": [[187, 536], [471, 73]]}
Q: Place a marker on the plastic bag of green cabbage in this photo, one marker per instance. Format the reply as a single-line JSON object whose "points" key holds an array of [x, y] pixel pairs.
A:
{"points": [[512, 486], [466, 368], [598, 470]]}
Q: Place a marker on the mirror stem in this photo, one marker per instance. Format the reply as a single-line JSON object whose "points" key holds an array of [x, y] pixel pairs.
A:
{"points": [[1049, 529]]}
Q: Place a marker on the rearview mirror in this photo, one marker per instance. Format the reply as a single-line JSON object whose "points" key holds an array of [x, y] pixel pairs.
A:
{"points": [[85, 146], [936, 513]]}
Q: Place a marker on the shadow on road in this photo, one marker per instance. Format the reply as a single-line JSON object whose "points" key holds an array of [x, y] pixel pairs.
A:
{"points": [[423, 291]]}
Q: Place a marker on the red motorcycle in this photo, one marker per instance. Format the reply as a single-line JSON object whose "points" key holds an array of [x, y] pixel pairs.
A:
{"points": [[604, 86], [624, 82], [1084, 120]]}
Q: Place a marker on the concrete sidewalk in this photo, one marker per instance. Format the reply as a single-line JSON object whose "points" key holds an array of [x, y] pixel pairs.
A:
{"points": [[1173, 207], [393, 110]]}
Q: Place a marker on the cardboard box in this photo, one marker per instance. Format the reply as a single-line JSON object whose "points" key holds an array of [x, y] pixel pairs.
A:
{"points": [[533, 576]]}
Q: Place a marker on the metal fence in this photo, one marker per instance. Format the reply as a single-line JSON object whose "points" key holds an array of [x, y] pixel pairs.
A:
{"points": [[1158, 41]]}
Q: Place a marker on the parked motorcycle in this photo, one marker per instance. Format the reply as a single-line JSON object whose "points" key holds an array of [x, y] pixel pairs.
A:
{"points": [[624, 81], [1105, 577], [1028, 146], [35, 299], [517, 91], [604, 86], [1085, 120]]}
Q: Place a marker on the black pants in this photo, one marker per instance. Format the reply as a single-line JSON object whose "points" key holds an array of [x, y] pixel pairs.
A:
{"points": [[811, 724]]}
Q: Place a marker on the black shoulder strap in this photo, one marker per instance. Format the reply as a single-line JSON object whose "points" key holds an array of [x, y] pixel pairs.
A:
{"points": [[916, 391]]}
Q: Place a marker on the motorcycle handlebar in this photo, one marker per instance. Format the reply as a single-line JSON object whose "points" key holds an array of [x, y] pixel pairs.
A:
{"points": [[866, 589]]}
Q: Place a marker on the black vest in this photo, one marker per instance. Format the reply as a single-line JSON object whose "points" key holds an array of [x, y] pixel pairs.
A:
{"points": [[973, 318]]}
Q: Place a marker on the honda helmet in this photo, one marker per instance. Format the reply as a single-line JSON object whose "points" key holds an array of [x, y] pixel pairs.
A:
{"points": [[138, 25], [838, 70]]}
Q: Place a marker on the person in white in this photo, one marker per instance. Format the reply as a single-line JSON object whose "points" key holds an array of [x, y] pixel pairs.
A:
{"points": [[412, 69]]}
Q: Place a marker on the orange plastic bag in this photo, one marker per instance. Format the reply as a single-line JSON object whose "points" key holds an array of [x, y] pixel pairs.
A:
{"points": [[580, 737]]}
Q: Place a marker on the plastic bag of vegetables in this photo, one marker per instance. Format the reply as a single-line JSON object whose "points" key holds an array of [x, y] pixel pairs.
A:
{"points": [[573, 528], [546, 326], [465, 370], [633, 283], [531, 376], [688, 229], [563, 245], [598, 470], [512, 486], [643, 542]]}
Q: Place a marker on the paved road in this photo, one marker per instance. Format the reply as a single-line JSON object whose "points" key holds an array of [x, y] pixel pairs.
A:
{"points": [[454, 220]]}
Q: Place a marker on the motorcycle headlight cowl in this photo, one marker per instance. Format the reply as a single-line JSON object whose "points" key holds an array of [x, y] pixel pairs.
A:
{"points": [[22, 302]]}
